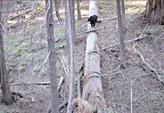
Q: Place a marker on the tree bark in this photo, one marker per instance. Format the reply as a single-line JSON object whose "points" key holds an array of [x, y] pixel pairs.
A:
{"points": [[154, 11], [71, 36], [78, 9], [123, 15], [52, 58], [7, 95], [121, 33]]}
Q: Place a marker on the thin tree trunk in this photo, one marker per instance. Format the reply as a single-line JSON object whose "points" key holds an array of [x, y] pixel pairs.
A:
{"points": [[78, 9], [72, 18], [57, 10], [123, 15], [7, 95], [122, 44], [71, 36], [52, 58]]}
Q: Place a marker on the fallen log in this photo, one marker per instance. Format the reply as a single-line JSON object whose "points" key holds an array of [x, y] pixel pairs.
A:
{"points": [[92, 86]]}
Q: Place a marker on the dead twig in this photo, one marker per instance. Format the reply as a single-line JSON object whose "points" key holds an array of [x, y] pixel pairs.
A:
{"points": [[28, 11], [66, 70], [111, 71], [143, 30], [13, 25], [128, 41], [90, 31], [83, 26], [147, 64], [63, 105], [37, 83], [40, 83], [56, 18], [114, 18], [117, 44], [61, 81], [158, 38], [45, 62], [23, 20]]}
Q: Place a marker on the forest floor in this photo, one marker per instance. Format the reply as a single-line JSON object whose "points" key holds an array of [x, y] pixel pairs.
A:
{"points": [[26, 52]]}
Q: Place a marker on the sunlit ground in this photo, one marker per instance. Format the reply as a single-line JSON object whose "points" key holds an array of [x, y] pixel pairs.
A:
{"points": [[135, 6]]}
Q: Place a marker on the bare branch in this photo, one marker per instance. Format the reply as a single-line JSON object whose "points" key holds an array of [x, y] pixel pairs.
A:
{"points": [[128, 41], [66, 70], [45, 62], [158, 38], [93, 30], [147, 64]]}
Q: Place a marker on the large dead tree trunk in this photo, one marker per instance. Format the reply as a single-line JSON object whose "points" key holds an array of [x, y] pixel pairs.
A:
{"points": [[92, 88], [7, 95], [154, 11], [52, 58]]}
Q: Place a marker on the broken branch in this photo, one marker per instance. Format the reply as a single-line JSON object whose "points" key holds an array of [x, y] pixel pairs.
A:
{"points": [[128, 41], [90, 31], [147, 64]]}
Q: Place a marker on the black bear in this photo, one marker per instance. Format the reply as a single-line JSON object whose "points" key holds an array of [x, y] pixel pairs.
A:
{"points": [[93, 19]]}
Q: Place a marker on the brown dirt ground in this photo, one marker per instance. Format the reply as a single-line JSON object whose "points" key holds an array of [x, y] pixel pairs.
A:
{"points": [[118, 83]]}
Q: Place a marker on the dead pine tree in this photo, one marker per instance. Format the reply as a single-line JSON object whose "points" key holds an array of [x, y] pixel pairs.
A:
{"points": [[78, 9], [154, 11], [71, 36], [52, 58], [121, 33], [7, 95]]}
